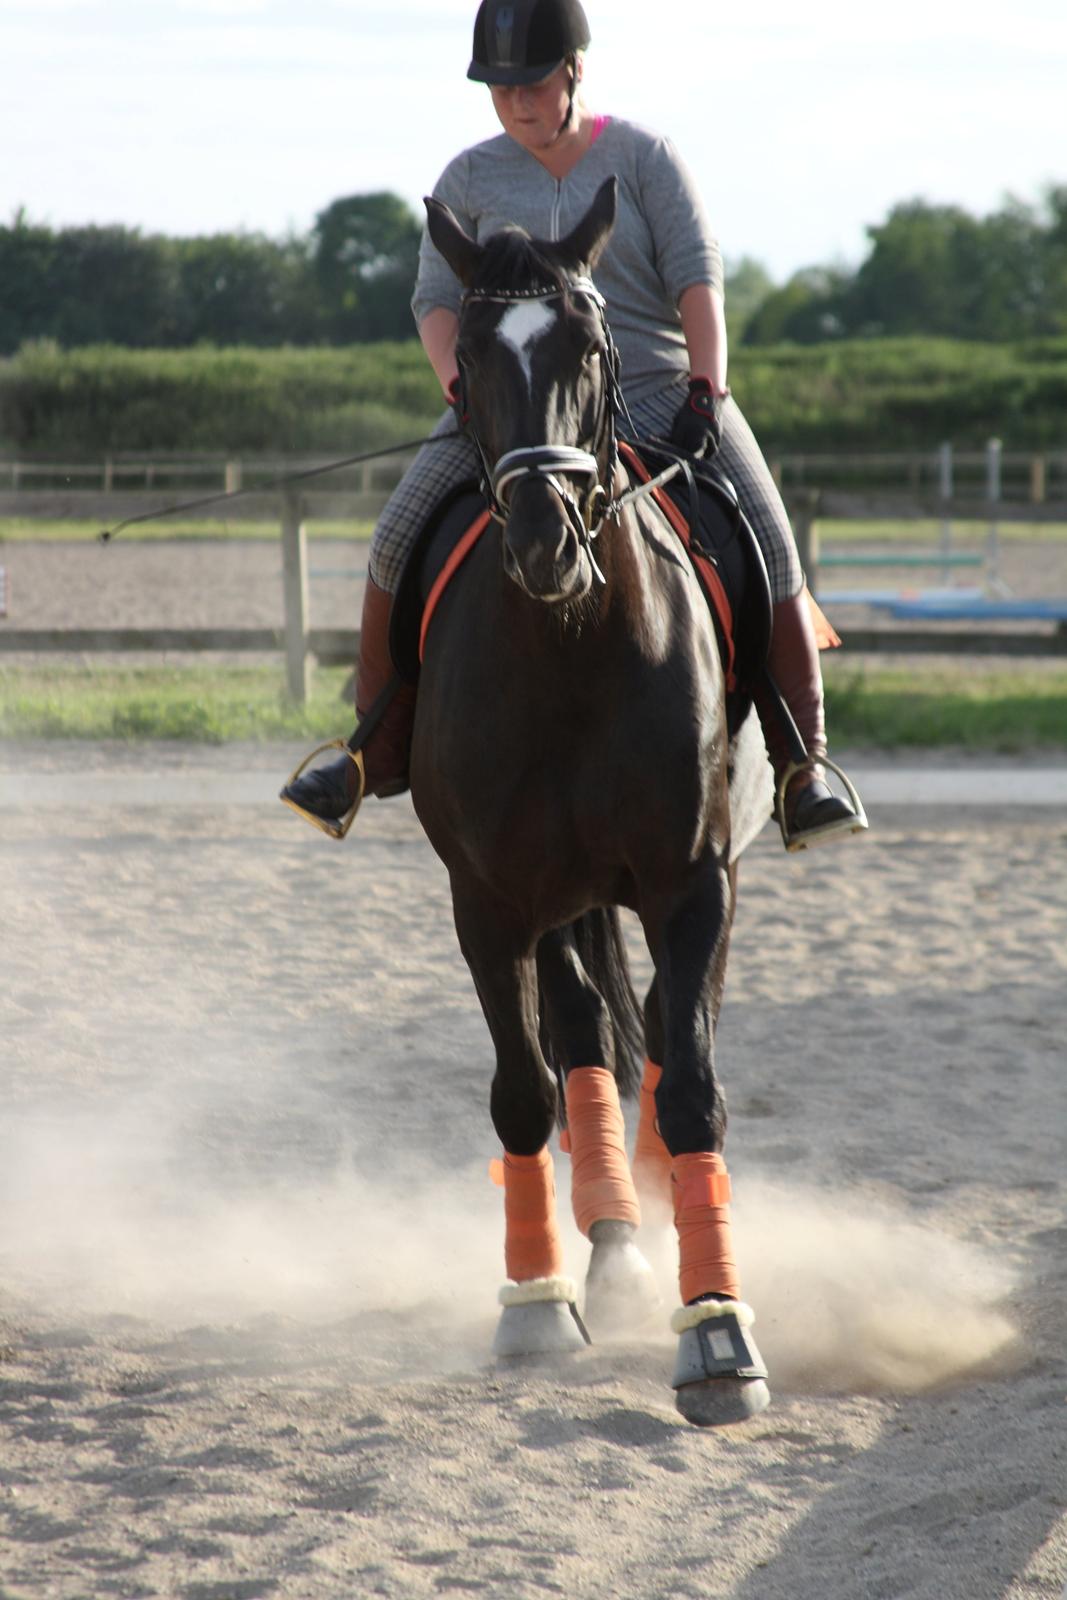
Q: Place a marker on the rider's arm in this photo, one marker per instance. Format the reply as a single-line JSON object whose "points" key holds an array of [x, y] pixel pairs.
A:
{"points": [[437, 330], [703, 317]]}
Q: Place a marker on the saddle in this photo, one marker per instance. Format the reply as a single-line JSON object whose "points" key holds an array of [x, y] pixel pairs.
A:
{"points": [[700, 505]]}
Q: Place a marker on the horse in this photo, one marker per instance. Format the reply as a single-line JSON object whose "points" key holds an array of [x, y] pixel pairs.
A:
{"points": [[570, 757]]}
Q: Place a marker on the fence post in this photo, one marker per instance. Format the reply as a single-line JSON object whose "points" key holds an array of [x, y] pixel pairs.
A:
{"points": [[804, 511], [295, 588], [992, 493], [944, 489], [109, 474], [232, 479], [1037, 480]]}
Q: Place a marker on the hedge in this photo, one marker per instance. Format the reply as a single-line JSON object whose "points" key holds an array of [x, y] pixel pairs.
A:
{"points": [[850, 395]]}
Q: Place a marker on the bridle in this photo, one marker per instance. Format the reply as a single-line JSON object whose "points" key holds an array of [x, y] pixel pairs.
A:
{"points": [[553, 464]]}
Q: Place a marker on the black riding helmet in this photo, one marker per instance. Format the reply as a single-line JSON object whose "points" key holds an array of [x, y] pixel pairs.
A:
{"points": [[523, 41]]}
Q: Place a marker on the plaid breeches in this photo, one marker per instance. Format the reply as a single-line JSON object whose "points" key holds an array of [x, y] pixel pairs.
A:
{"points": [[452, 460]]}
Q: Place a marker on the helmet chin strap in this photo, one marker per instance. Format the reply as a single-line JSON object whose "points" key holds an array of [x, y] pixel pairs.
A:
{"points": [[572, 63]]}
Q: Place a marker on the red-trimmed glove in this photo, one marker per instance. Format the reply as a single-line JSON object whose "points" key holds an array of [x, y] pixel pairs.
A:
{"points": [[697, 428], [455, 399]]}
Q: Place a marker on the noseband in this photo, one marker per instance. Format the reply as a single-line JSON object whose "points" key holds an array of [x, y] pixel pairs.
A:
{"points": [[553, 463]]}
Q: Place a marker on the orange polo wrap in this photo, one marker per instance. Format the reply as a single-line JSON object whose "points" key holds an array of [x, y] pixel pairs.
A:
{"points": [[652, 1159], [532, 1246], [601, 1185], [702, 1217]]}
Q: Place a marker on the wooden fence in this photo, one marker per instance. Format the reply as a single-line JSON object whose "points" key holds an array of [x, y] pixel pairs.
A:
{"points": [[303, 645], [945, 470]]}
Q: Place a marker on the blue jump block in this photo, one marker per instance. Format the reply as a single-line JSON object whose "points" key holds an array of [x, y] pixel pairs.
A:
{"points": [[919, 610], [896, 597]]}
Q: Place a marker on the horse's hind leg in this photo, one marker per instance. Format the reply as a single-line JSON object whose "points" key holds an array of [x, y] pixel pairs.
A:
{"points": [[540, 1312], [620, 1290], [652, 1159]]}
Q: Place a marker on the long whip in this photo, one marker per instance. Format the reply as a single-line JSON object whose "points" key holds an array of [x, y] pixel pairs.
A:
{"points": [[107, 534]]}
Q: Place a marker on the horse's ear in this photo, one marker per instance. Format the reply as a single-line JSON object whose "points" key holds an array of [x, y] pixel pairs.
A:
{"points": [[461, 252], [584, 245]]}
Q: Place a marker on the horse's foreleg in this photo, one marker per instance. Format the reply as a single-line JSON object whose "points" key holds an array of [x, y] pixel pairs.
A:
{"points": [[539, 1302], [719, 1375], [620, 1290]]}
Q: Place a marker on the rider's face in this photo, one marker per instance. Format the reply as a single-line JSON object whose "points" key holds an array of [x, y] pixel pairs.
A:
{"points": [[533, 115]]}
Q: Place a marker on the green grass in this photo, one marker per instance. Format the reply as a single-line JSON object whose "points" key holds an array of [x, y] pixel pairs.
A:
{"points": [[995, 708], [209, 705], [999, 708]]}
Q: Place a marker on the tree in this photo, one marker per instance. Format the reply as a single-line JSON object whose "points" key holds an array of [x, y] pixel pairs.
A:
{"points": [[85, 286], [807, 309], [748, 284], [245, 289], [939, 270], [909, 281], [365, 250]]}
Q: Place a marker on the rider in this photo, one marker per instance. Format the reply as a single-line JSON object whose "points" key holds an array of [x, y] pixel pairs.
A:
{"points": [[662, 279]]}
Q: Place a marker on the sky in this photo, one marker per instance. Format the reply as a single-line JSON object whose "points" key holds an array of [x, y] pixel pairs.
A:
{"points": [[802, 125]]}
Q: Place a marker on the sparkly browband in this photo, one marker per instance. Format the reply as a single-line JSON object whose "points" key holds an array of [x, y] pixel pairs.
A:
{"points": [[509, 296]]}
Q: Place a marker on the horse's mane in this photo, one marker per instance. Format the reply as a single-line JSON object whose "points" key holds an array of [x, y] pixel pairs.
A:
{"points": [[512, 260]]}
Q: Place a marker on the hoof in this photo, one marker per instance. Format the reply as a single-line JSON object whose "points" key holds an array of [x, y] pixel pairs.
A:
{"points": [[719, 1375], [539, 1318], [717, 1402], [620, 1287]]}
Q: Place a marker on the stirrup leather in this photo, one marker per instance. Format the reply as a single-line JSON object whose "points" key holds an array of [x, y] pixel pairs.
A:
{"points": [[831, 830], [334, 829]]}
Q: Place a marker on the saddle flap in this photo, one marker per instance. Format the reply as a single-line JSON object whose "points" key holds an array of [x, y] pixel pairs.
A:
{"points": [[442, 532]]}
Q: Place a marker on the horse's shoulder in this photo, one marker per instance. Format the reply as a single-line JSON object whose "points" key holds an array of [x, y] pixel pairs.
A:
{"points": [[701, 509]]}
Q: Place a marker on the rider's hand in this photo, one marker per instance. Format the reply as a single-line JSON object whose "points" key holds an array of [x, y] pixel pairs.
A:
{"points": [[697, 428], [455, 397]]}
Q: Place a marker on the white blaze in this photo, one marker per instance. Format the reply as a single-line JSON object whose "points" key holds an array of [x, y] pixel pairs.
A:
{"points": [[521, 326]]}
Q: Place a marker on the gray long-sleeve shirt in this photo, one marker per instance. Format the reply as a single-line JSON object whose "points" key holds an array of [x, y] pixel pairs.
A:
{"points": [[661, 244]]}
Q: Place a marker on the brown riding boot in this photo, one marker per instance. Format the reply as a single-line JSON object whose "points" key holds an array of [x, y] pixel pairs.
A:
{"points": [[331, 791], [808, 812], [386, 752]]}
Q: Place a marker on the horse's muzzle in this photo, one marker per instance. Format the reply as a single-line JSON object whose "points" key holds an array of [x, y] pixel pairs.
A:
{"points": [[542, 551]]}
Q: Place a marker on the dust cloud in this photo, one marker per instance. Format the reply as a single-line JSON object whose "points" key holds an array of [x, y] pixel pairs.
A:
{"points": [[852, 1297], [119, 1213]]}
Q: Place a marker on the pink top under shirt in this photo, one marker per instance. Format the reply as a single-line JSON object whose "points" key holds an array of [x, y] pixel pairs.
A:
{"points": [[599, 124]]}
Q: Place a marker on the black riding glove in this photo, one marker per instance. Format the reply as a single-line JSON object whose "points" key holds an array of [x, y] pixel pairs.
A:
{"points": [[457, 402], [697, 428]]}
